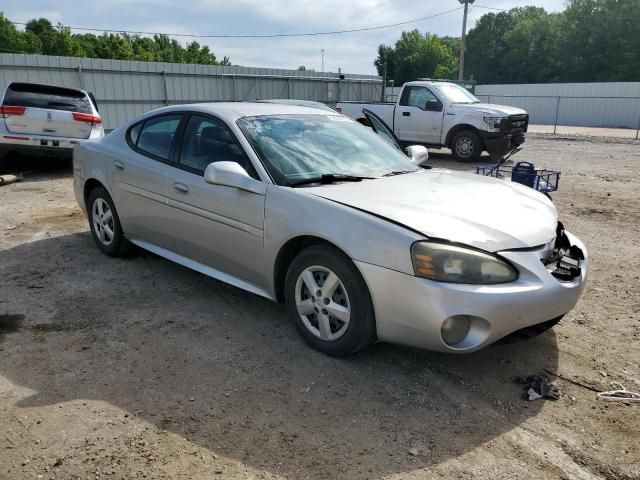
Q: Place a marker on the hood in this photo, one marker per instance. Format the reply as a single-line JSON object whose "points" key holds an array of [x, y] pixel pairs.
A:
{"points": [[491, 109], [483, 212]]}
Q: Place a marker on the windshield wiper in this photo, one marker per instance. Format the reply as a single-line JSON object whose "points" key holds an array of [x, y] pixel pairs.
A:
{"points": [[398, 172], [328, 178]]}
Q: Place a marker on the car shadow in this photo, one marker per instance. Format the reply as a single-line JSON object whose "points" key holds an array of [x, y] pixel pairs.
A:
{"points": [[32, 168], [227, 371], [443, 158]]}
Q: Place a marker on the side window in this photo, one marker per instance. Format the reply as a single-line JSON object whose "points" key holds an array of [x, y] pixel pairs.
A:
{"points": [[418, 97], [157, 135], [134, 132], [207, 140]]}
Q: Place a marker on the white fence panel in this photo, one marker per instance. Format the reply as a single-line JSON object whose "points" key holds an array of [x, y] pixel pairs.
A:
{"points": [[126, 89]]}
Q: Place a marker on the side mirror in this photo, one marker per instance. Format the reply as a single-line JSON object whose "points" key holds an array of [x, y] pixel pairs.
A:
{"points": [[418, 154], [231, 174], [433, 106]]}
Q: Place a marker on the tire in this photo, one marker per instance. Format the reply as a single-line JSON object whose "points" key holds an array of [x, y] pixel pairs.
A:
{"points": [[323, 331], [466, 146], [105, 224], [4, 164]]}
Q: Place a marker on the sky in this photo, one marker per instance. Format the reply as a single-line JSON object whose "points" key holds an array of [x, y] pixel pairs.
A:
{"points": [[353, 52]]}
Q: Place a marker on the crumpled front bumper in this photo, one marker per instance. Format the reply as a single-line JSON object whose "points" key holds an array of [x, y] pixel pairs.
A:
{"points": [[501, 143], [411, 310]]}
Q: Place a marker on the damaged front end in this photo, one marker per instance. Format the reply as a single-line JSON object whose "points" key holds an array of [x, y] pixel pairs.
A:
{"points": [[564, 261]]}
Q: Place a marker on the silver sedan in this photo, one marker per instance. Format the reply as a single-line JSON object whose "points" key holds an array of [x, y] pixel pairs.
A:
{"points": [[361, 241]]}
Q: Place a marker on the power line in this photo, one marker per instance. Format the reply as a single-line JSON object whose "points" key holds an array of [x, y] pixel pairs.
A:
{"points": [[492, 8], [276, 35]]}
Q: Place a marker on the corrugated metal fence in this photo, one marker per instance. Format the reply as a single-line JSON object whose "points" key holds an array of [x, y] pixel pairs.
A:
{"points": [[125, 89], [611, 104]]}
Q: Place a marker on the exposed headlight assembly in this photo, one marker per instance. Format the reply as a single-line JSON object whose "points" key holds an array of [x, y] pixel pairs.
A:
{"points": [[450, 263], [493, 123]]}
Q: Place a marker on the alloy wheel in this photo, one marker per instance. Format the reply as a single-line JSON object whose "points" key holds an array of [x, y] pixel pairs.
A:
{"points": [[102, 218], [323, 303]]}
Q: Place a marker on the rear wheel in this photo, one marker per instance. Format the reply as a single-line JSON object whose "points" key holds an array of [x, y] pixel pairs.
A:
{"points": [[105, 224], [4, 163], [329, 303], [467, 146]]}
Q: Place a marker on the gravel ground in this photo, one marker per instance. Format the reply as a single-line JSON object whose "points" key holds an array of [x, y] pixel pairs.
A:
{"points": [[140, 368]]}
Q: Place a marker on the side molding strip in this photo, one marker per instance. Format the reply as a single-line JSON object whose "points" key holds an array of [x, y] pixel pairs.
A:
{"points": [[199, 267]]}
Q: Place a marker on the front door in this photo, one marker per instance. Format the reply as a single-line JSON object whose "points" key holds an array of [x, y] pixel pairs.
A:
{"points": [[418, 117], [218, 226], [382, 129]]}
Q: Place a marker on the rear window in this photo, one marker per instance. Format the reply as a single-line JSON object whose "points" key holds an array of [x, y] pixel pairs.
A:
{"points": [[45, 96]]}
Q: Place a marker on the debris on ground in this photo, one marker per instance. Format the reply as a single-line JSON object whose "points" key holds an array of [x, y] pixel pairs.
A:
{"points": [[619, 394], [7, 179], [537, 387]]}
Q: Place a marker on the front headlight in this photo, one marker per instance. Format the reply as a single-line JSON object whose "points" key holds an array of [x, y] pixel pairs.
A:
{"points": [[450, 263], [493, 123]]}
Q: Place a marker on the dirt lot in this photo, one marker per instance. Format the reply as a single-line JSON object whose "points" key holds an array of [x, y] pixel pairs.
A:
{"points": [[140, 368]]}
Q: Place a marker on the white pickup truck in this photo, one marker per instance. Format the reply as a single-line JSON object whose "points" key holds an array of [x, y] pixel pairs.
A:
{"points": [[443, 114]]}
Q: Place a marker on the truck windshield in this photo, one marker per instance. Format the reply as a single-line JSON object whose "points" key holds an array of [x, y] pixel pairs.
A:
{"points": [[300, 147], [455, 93]]}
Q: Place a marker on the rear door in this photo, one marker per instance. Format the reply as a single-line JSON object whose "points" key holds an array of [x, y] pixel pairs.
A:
{"points": [[50, 111], [418, 117], [139, 179]]}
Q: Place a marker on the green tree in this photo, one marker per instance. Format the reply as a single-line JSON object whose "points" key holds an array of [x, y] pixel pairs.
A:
{"points": [[600, 41], [386, 58], [14, 41], [416, 55], [40, 36], [117, 47], [592, 40]]}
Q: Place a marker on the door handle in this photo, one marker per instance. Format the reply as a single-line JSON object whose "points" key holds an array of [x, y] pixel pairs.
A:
{"points": [[406, 114], [181, 188], [118, 164]]}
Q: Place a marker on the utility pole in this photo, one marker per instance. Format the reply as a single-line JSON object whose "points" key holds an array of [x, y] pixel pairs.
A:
{"points": [[384, 83], [322, 60], [464, 32]]}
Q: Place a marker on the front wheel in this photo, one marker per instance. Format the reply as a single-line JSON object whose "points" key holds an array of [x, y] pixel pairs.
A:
{"points": [[467, 146], [329, 302]]}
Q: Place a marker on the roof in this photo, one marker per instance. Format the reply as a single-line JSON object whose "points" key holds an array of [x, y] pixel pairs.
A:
{"points": [[428, 82], [234, 110], [301, 103]]}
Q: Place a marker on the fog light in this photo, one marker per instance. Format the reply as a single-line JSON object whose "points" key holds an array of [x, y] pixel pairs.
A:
{"points": [[455, 329]]}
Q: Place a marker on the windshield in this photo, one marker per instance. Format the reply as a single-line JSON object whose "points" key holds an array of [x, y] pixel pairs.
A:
{"points": [[455, 93], [300, 147]]}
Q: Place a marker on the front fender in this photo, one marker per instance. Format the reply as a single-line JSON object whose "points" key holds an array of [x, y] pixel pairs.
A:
{"points": [[291, 213]]}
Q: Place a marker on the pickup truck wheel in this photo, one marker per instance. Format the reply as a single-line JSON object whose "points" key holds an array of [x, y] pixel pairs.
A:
{"points": [[467, 146], [329, 302]]}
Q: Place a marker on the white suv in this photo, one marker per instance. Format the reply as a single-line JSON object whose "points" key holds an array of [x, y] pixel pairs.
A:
{"points": [[46, 120]]}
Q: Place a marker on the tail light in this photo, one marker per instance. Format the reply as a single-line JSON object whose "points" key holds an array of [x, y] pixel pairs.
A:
{"points": [[9, 110], [338, 109], [87, 117]]}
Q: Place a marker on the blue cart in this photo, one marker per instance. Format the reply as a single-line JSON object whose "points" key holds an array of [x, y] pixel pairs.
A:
{"points": [[526, 173]]}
